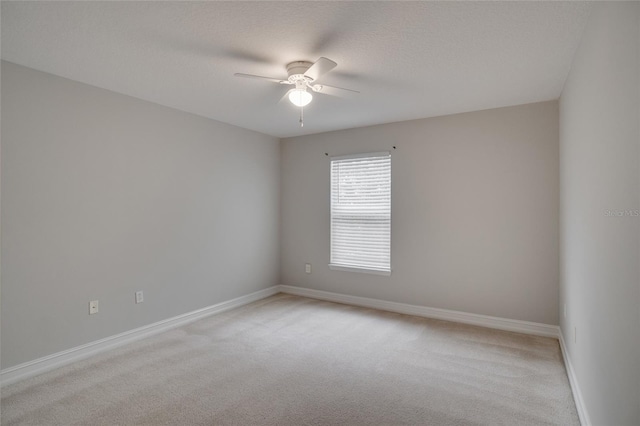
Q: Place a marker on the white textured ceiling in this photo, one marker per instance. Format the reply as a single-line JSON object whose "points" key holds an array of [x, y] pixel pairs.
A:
{"points": [[408, 59]]}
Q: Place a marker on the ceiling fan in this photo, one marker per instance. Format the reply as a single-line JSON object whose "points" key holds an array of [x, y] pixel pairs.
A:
{"points": [[302, 75]]}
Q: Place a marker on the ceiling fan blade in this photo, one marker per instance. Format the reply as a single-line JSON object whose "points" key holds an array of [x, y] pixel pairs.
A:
{"points": [[332, 90], [320, 67], [275, 80]]}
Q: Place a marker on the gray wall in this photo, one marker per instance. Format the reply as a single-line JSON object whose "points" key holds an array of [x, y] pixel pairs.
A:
{"points": [[599, 155], [474, 212], [104, 194]]}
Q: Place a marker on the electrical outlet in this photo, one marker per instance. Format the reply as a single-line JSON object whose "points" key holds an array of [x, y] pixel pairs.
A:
{"points": [[307, 268], [139, 297], [93, 307]]}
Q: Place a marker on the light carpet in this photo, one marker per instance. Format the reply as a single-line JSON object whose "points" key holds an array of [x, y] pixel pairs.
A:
{"points": [[289, 360]]}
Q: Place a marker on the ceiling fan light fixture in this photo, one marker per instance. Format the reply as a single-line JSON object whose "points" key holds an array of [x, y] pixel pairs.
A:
{"points": [[300, 97]]}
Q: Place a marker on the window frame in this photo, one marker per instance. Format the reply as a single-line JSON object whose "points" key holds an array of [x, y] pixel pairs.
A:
{"points": [[349, 267]]}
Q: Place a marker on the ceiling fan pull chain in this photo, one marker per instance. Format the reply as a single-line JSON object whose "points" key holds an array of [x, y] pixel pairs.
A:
{"points": [[301, 116]]}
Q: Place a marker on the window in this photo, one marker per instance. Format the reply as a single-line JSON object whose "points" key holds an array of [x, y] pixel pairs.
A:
{"points": [[361, 213]]}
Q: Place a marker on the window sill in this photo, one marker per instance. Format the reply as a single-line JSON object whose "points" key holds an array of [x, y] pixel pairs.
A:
{"points": [[334, 267]]}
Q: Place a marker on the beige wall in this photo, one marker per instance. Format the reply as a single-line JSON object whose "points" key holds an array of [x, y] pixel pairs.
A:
{"points": [[104, 194], [474, 212], [600, 256]]}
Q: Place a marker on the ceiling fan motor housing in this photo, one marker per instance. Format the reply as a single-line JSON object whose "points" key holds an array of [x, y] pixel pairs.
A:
{"points": [[296, 71]]}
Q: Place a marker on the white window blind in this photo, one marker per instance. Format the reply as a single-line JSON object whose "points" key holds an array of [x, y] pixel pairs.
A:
{"points": [[361, 212]]}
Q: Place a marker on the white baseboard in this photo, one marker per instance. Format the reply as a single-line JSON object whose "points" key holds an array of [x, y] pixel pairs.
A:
{"points": [[423, 311], [50, 362], [585, 420], [47, 363]]}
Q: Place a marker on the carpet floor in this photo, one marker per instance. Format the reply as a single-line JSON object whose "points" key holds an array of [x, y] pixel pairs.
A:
{"points": [[289, 360]]}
